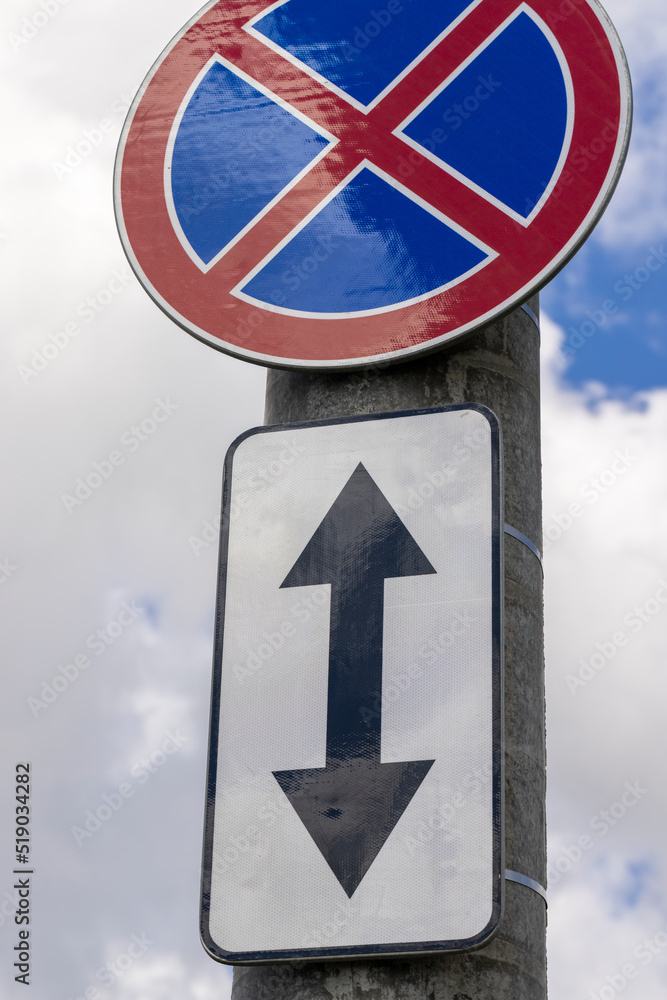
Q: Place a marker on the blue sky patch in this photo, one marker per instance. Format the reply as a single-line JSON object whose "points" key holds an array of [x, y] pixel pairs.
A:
{"points": [[611, 304]]}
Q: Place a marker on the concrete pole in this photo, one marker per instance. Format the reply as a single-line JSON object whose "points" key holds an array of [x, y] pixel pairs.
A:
{"points": [[498, 367]]}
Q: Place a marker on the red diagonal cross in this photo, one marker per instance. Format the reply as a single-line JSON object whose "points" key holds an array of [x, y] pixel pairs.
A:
{"points": [[364, 136], [203, 302]]}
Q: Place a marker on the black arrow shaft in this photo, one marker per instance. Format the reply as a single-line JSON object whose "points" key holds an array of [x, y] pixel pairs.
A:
{"points": [[351, 806], [355, 670]]}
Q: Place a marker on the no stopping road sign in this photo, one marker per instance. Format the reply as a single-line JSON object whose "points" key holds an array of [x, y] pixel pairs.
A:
{"points": [[324, 186]]}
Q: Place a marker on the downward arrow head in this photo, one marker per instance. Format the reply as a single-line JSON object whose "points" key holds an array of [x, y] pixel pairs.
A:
{"points": [[351, 809], [362, 536]]}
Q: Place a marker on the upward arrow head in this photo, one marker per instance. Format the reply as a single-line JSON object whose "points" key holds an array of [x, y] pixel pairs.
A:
{"points": [[361, 536]]}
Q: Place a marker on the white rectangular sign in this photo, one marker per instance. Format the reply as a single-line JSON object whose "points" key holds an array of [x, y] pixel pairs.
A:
{"points": [[355, 774]]}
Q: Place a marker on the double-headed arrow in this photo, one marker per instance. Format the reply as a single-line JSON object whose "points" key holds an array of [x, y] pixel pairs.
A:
{"points": [[351, 806]]}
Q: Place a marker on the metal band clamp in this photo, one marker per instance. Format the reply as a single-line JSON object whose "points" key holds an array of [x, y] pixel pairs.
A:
{"points": [[509, 530], [529, 312], [530, 883]]}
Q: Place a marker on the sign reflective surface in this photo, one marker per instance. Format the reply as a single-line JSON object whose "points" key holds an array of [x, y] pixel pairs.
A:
{"points": [[354, 802], [321, 186]]}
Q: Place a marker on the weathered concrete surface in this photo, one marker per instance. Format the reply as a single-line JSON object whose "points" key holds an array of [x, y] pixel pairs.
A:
{"points": [[498, 367]]}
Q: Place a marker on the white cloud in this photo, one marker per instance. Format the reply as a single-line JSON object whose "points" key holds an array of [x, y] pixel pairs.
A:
{"points": [[167, 977], [638, 212], [603, 569], [642, 29], [590, 951]]}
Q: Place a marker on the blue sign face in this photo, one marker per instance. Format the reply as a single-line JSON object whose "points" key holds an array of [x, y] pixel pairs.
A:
{"points": [[504, 117], [376, 247], [381, 247], [408, 166], [210, 156], [359, 50]]}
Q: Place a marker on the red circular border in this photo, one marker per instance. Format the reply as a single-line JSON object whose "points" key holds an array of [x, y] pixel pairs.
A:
{"points": [[528, 256]]}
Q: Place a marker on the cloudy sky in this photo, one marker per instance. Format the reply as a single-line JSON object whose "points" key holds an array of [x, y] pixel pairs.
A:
{"points": [[113, 592]]}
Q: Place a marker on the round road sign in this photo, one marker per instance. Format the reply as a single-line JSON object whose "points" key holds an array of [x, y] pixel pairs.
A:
{"points": [[327, 186]]}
